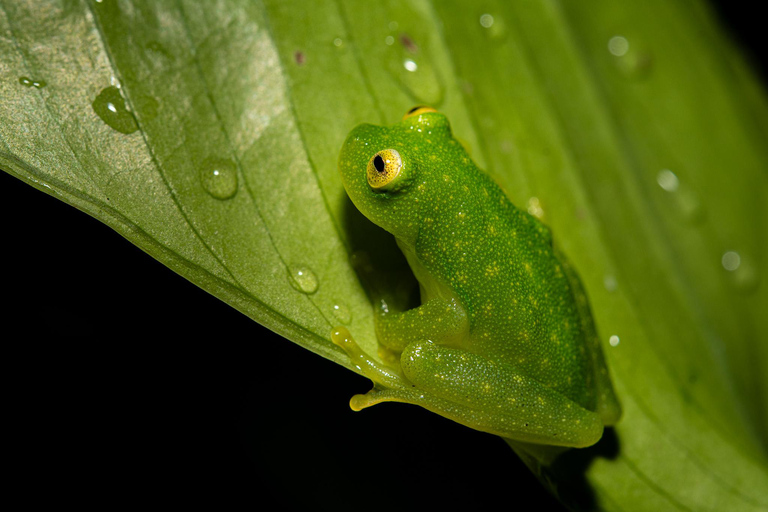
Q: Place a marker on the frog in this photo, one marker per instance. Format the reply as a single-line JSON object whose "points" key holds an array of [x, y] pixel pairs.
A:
{"points": [[503, 340]]}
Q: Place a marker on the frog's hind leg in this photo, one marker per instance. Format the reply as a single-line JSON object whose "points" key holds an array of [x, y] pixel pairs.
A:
{"points": [[494, 397]]}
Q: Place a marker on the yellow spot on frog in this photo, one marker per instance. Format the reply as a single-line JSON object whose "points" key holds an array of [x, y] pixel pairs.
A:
{"points": [[492, 270]]}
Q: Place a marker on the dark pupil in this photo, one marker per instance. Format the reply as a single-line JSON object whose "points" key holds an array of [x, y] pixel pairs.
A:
{"points": [[414, 109], [378, 163]]}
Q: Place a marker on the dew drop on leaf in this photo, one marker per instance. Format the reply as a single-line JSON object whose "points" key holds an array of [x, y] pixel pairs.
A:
{"points": [[303, 279], [412, 67], [634, 63], [618, 46], [342, 313], [731, 261], [685, 199], [110, 106], [28, 82], [219, 177], [534, 208], [740, 270], [667, 180], [495, 27]]}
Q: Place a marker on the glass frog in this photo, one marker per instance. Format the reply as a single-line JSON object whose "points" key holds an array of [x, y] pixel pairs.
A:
{"points": [[503, 340]]}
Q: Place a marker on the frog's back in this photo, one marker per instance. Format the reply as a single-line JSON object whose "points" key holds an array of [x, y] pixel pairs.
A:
{"points": [[518, 295]]}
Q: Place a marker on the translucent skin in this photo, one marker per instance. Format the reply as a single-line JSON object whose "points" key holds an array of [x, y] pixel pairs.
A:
{"points": [[504, 340]]}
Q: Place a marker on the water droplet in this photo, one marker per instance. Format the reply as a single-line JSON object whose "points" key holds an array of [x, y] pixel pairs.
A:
{"points": [[338, 42], [632, 61], [110, 106], [614, 340], [303, 279], [534, 207], [610, 283], [28, 82], [684, 198], [389, 40], [731, 261], [219, 177], [342, 313], [741, 272], [618, 46], [393, 25], [667, 180], [413, 67], [494, 26]]}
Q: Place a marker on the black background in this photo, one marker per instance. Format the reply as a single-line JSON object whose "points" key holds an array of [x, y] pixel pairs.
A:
{"points": [[128, 384]]}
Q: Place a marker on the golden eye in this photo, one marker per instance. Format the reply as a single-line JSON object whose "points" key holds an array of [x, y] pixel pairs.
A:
{"points": [[418, 110], [383, 168]]}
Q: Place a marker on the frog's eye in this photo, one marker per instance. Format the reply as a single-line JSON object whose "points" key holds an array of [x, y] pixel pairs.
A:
{"points": [[383, 168], [418, 110]]}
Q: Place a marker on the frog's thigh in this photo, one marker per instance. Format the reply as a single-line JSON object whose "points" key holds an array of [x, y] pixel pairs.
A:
{"points": [[440, 320], [496, 398]]}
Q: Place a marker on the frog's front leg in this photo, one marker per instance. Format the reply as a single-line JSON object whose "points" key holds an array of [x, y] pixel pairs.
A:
{"points": [[439, 320]]}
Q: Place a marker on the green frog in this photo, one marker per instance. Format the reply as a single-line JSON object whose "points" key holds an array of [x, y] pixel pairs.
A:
{"points": [[503, 340]]}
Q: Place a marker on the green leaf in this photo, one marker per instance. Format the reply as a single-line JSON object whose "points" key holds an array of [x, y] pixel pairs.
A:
{"points": [[207, 134]]}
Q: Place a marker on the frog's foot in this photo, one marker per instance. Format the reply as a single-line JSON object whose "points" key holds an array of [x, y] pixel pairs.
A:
{"points": [[381, 375]]}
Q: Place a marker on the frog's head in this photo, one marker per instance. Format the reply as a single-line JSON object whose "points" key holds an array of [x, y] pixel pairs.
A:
{"points": [[386, 169]]}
